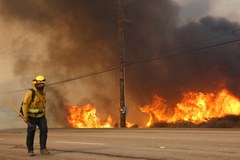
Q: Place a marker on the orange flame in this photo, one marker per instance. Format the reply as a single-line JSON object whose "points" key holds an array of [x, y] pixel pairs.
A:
{"points": [[85, 117], [194, 107], [129, 124]]}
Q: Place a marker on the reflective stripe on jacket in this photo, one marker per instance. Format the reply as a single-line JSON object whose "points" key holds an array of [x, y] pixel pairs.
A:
{"points": [[30, 110], [36, 107]]}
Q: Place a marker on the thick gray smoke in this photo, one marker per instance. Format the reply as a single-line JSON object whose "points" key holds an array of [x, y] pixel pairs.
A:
{"points": [[83, 38], [205, 70]]}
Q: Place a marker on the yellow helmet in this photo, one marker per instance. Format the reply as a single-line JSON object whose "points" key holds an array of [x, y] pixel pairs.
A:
{"points": [[39, 79]]}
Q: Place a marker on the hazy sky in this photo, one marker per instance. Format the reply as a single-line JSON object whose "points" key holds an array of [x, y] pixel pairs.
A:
{"points": [[195, 9]]}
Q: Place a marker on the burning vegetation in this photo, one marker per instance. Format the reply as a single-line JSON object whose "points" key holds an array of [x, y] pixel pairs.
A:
{"points": [[196, 109], [85, 117]]}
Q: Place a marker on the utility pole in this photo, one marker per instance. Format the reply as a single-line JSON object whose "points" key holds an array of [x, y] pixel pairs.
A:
{"points": [[120, 4]]}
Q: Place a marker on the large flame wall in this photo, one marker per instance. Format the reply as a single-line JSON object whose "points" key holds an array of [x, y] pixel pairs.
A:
{"points": [[195, 107]]}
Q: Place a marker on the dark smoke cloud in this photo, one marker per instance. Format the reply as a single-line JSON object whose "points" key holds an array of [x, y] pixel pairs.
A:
{"points": [[198, 72], [83, 38]]}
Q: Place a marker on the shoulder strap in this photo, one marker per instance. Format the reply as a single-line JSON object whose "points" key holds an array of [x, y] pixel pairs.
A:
{"points": [[33, 94]]}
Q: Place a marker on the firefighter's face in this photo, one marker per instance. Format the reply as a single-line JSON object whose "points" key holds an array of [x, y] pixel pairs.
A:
{"points": [[39, 85]]}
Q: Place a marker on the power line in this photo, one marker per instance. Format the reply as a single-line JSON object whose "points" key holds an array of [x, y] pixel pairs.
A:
{"points": [[193, 51], [85, 75], [207, 39], [107, 69], [197, 42]]}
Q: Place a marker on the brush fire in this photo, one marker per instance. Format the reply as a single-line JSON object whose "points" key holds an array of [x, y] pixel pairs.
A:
{"points": [[195, 107], [85, 117]]}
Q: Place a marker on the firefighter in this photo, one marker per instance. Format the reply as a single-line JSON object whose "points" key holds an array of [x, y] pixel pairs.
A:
{"points": [[34, 112]]}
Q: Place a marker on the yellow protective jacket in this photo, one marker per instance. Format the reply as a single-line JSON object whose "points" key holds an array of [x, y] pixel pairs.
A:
{"points": [[34, 108]]}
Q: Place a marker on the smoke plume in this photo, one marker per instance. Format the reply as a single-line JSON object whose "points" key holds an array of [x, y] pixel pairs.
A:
{"points": [[81, 36]]}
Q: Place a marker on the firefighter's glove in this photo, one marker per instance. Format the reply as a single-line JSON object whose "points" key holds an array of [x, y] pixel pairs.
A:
{"points": [[25, 119]]}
